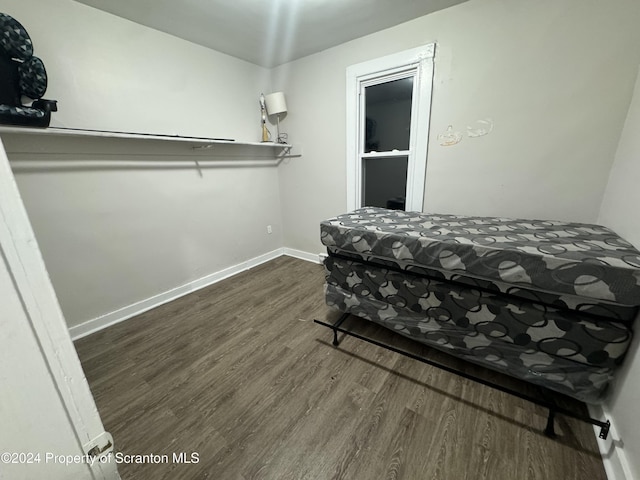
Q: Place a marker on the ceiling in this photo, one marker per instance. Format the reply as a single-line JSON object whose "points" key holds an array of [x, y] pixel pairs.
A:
{"points": [[270, 32]]}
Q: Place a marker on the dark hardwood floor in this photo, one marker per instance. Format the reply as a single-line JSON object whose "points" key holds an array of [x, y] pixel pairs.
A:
{"points": [[240, 374]]}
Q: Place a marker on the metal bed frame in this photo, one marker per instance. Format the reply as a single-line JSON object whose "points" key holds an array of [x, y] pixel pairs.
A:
{"points": [[547, 403], [554, 409]]}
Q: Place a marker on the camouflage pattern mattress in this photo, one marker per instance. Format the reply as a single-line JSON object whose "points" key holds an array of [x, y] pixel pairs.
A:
{"points": [[549, 302]]}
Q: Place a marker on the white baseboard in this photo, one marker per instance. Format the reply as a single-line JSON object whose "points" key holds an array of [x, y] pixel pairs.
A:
{"points": [[615, 461], [309, 257], [122, 314], [104, 321]]}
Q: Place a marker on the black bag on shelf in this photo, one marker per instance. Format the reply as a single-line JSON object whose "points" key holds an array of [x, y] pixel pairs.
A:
{"points": [[21, 74]]}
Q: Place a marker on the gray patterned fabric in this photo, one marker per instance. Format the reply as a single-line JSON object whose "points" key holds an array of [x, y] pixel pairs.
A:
{"points": [[33, 78], [578, 259], [584, 382], [14, 39], [559, 301], [22, 111], [561, 341], [21, 74]]}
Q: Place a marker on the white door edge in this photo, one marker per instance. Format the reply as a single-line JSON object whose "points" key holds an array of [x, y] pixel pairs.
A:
{"points": [[29, 273]]}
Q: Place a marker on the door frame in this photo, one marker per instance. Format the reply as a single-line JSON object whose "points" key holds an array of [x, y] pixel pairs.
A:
{"points": [[27, 269], [420, 61]]}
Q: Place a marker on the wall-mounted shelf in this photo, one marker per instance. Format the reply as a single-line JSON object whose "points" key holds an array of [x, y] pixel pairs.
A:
{"points": [[67, 148], [77, 132]]}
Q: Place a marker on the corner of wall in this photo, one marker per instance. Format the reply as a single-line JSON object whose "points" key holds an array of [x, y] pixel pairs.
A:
{"points": [[618, 212]]}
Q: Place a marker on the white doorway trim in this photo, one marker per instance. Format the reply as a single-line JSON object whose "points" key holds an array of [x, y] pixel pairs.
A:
{"points": [[419, 61], [21, 254]]}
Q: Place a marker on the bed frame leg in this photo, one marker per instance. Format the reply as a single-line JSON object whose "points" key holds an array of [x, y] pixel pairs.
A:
{"points": [[549, 430], [604, 430], [336, 325]]}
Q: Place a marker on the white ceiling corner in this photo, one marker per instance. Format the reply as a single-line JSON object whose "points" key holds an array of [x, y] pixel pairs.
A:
{"points": [[270, 33]]}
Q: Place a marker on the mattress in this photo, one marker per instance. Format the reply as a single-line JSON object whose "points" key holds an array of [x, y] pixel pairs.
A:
{"points": [[492, 291], [569, 352], [586, 263]]}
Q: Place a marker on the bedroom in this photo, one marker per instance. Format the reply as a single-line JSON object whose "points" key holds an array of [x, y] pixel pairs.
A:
{"points": [[556, 78]]}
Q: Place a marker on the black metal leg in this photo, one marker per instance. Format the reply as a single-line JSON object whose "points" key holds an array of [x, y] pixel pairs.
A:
{"points": [[549, 430], [336, 325], [604, 430]]}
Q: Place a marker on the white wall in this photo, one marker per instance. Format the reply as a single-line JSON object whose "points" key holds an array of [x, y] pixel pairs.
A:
{"points": [[620, 212], [619, 209], [555, 77], [116, 225], [32, 415], [112, 74]]}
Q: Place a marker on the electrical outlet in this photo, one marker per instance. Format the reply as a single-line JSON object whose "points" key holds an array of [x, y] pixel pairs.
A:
{"points": [[269, 229]]}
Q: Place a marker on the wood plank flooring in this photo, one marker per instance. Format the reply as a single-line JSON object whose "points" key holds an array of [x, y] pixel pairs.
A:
{"points": [[240, 374]]}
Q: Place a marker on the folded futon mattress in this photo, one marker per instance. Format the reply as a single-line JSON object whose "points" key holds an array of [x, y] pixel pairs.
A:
{"points": [[550, 302]]}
